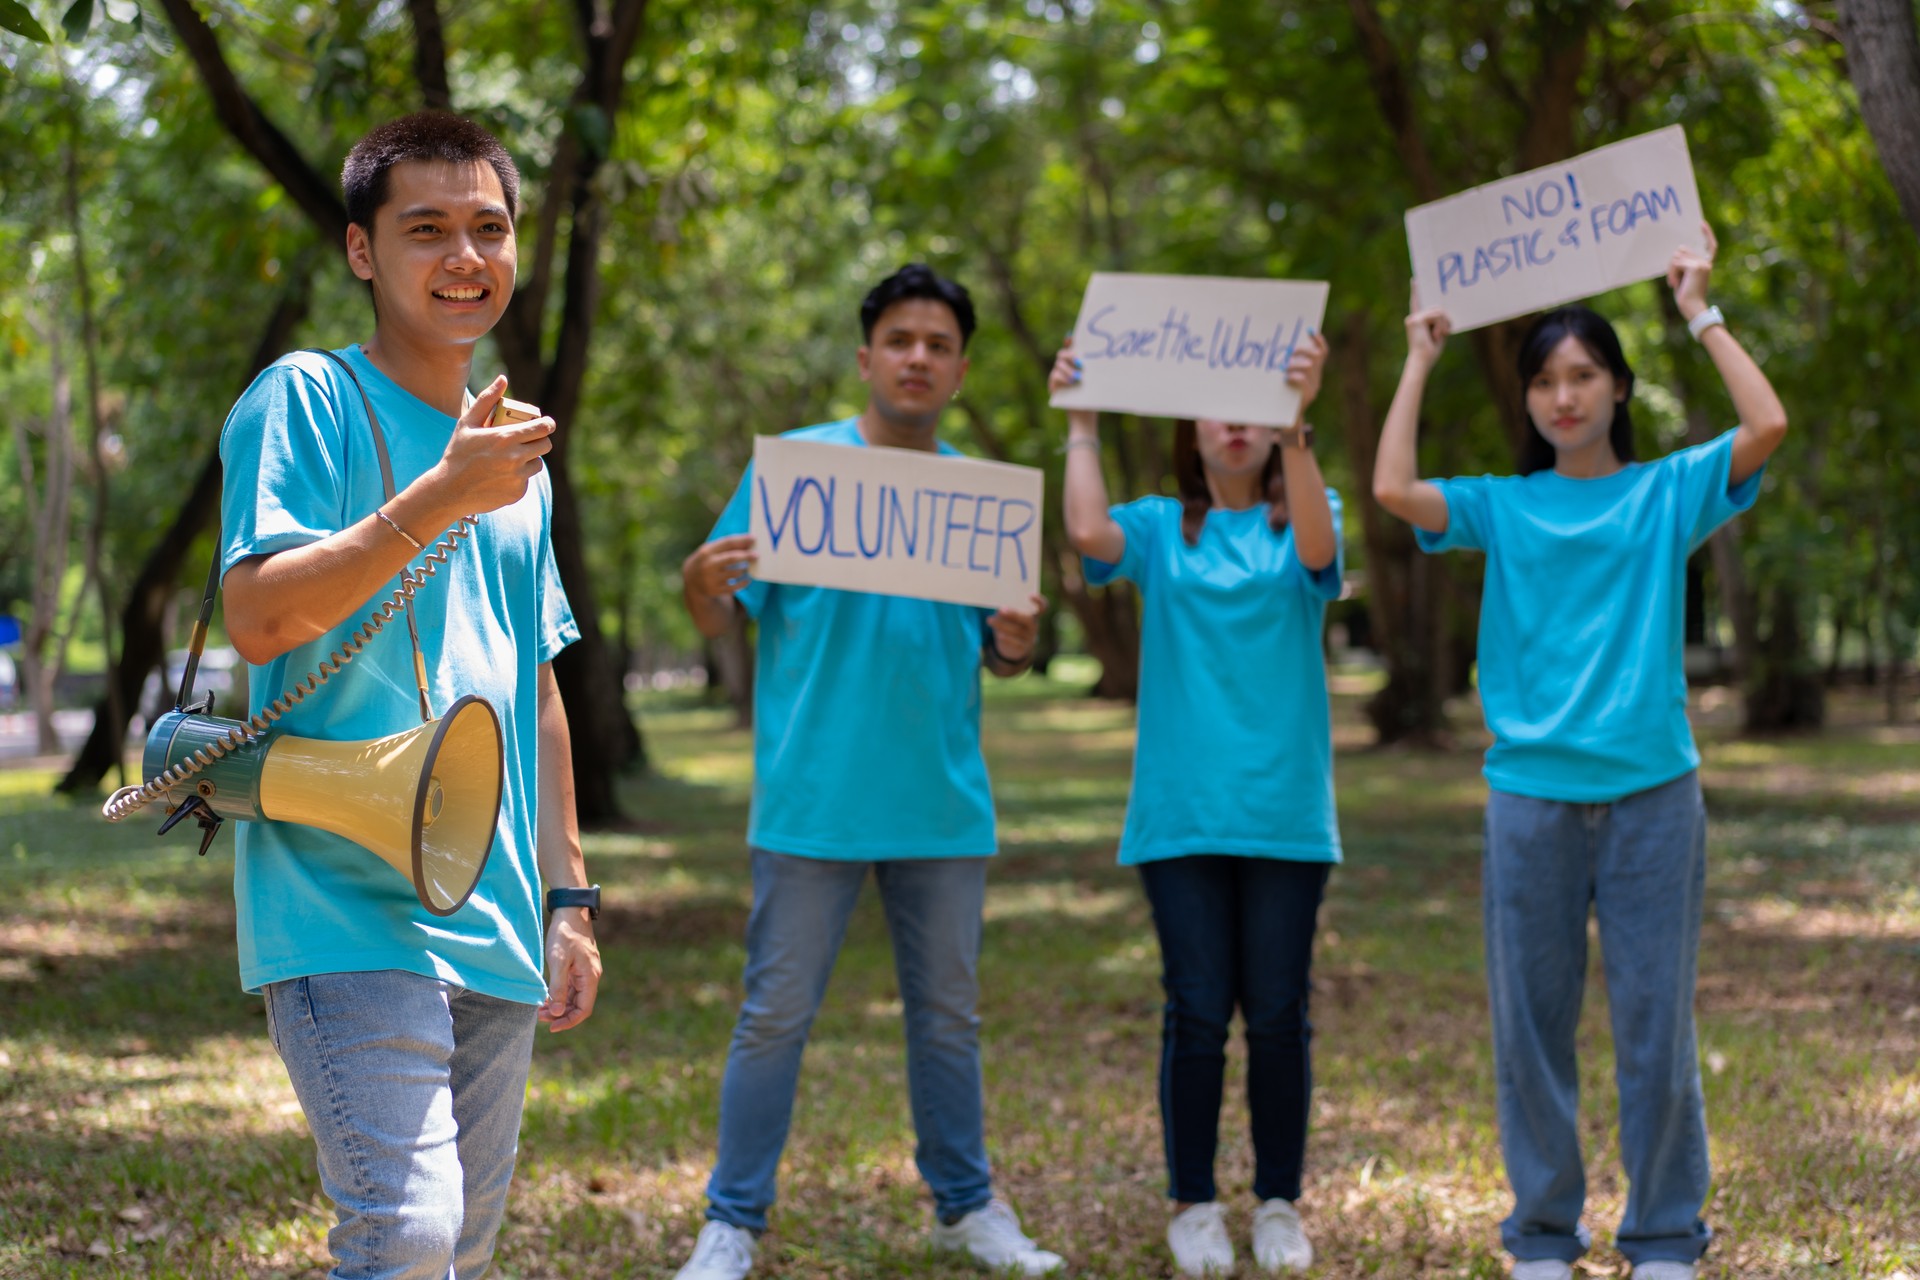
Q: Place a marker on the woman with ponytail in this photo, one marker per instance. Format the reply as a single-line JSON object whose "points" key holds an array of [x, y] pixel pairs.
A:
{"points": [[1231, 819]]}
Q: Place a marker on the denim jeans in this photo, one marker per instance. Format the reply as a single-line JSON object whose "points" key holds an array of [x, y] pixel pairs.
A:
{"points": [[412, 1088], [1235, 930], [1640, 864], [800, 912]]}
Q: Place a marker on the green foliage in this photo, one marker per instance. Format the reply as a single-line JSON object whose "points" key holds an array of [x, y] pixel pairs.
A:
{"points": [[19, 19], [773, 160]]}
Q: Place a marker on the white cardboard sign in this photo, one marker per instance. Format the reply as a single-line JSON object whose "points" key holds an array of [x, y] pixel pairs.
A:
{"points": [[1568, 231], [896, 522], [1192, 346]]}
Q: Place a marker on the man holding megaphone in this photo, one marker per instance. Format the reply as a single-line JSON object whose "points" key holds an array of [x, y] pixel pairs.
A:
{"points": [[405, 1020]]}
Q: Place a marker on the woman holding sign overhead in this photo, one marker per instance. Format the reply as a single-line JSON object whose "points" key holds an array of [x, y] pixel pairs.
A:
{"points": [[1594, 800], [1231, 819]]}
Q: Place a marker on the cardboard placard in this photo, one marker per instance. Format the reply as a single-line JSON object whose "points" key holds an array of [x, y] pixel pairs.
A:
{"points": [[1192, 346], [897, 522], [1568, 231]]}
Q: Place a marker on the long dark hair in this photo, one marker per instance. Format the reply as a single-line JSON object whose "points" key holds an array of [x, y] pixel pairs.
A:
{"points": [[1196, 499], [1603, 344]]}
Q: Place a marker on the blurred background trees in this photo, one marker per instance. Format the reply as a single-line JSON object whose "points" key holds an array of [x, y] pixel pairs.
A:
{"points": [[711, 186]]}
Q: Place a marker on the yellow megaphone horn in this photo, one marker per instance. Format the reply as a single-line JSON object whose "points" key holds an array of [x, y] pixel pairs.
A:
{"points": [[426, 801]]}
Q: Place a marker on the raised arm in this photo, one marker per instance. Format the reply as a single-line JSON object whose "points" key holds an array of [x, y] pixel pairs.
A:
{"points": [[1397, 485], [1763, 419], [1308, 511], [1091, 527]]}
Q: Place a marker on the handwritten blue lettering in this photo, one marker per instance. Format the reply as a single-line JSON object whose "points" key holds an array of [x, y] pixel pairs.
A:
{"points": [[1491, 261], [946, 542], [859, 522], [1128, 342], [909, 529], [986, 525], [775, 529], [1620, 217], [1025, 509], [833, 543], [826, 515]]}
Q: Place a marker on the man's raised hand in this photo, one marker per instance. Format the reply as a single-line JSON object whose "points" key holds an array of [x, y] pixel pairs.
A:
{"points": [[485, 468]]}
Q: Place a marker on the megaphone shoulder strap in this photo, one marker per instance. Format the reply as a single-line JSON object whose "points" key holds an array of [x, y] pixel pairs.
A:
{"points": [[386, 485]]}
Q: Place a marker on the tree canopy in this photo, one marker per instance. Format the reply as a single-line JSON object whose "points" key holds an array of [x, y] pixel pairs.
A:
{"points": [[712, 186]]}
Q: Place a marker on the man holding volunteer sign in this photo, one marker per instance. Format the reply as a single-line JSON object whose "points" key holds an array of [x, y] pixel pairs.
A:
{"points": [[1231, 816], [884, 573], [1594, 801]]}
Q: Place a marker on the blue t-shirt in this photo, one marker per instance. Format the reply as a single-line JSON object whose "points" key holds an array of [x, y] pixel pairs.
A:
{"points": [[300, 466], [866, 715], [1583, 616], [1234, 753]]}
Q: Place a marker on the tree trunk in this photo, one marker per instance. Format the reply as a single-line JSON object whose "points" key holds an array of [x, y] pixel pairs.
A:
{"points": [[1883, 60], [96, 434], [51, 517], [1842, 622], [1110, 621], [731, 657], [1785, 691], [1403, 595], [143, 640]]}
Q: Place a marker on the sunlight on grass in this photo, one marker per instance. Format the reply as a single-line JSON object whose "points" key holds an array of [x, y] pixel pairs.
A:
{"points": [[150, 1130]]}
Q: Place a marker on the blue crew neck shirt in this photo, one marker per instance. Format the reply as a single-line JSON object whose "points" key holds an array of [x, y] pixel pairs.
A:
{"points": [[866, 714], [1234, 753], [300, 466], [1582, 617]]}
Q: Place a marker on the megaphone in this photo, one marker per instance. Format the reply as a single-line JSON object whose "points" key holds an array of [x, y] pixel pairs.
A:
{"points": [[425, 801]]}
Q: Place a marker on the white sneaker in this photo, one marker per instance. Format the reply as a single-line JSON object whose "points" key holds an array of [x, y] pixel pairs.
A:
{"points": [[1279, 1241], [1198, 1237], [992, 1238], [723, 1252], [1543, 1269], [1664, 1271]]}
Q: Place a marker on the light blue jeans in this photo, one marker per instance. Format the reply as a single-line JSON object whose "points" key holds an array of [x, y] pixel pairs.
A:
{"points": [[1640, 864], [413, 1089], [800, 912]]}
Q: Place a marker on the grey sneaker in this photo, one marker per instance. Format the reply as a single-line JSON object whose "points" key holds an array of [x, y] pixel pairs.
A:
{"points": [[992, 1238], [1664, 1271], [1279, 1241], [1198, 1237], [723, 1252]]}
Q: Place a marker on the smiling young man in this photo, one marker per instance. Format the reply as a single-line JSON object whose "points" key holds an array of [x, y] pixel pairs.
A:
{"points": [[866, 757], [408, 1035]]}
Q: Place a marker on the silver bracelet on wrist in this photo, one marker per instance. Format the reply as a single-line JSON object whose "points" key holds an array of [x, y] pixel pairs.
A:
{"points": [[1092, 443], [412, 541]]}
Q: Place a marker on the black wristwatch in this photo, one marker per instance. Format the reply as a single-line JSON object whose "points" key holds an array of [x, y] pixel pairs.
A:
{"points": [[588, 897]]}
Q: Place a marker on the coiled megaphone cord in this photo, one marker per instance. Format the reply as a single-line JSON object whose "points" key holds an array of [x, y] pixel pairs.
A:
{"points": [[130, 800]]}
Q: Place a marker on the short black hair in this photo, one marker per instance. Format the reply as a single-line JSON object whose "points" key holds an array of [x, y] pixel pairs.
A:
{"points": [[916, 280], [1593, 332], [424, 135]]}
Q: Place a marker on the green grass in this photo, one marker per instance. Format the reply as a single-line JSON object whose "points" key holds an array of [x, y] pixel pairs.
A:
{"points": [[146, 1127]]}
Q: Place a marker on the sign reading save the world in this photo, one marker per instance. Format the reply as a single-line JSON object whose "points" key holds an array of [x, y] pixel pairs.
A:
{"points": [[1192, 346]]}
